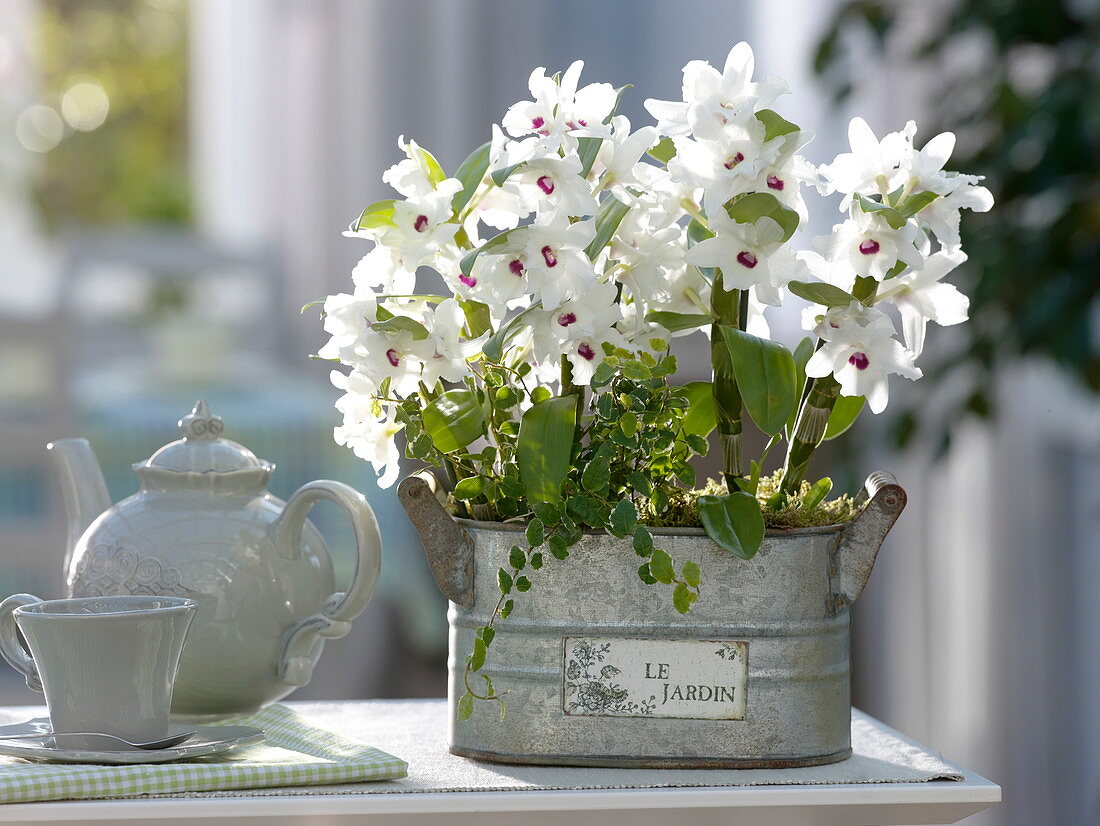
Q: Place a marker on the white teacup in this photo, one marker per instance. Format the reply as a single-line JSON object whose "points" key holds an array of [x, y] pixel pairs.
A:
{"points": [[104, 663]]}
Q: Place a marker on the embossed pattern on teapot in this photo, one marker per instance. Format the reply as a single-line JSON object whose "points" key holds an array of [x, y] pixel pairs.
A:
{"points": [[204, 526]]}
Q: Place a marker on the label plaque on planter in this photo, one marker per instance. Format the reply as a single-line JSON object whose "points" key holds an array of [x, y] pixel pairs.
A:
{"points": [[627, 677]]}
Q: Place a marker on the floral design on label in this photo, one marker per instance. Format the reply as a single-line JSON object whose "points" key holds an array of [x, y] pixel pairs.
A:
{"points": [[628, 677]]}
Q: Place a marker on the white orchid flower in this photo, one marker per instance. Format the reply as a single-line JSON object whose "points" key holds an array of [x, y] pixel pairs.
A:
{"points": [[709, 96], [553, 184], [870, 246], [783, 266], [620, 158], [381, 269], [451, 349], [368, 429], [560, 111], [922, 297], [347, 320], [499, 281], [394, 354], [410, 176], [942, 216], [552, 261], [873, 167], [785, 176], [860, 352], [744, 252], [728, 165], [420, 225]]}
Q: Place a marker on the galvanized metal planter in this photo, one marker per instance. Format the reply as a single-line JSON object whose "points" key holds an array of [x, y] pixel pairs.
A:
{"points": [[602, 671]]}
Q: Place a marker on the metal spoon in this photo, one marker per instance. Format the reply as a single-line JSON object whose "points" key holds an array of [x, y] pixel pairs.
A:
{"points": [[163, 743]]}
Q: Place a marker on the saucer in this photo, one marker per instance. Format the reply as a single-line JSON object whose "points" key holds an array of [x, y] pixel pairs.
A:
{"points": [[206, 740]]}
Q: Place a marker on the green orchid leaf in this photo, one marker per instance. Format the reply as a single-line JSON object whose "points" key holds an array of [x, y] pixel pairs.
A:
{"points": [[775, 126], [675, 322], [587, 150], [802, 354], [544, 447], [664, 150], [376, 215], [845, 412], [471, 173], [821, 293], [501, 175], [608, 217], [766, 377], [494, 347], [750, 208], [401, 324], [454, 420], [818, 491], [915, 203], [894, 218], [478, 319], [734, 522]]}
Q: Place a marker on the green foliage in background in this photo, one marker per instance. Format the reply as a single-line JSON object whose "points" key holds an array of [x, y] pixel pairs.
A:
{"points": [[1028, 118], [133, 168]]}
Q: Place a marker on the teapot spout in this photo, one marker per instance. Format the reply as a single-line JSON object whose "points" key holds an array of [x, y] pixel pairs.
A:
{"points": [[82, 486]]}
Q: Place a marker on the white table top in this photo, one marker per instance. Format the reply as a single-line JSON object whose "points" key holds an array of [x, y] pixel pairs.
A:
{"points": [[934, 802]]}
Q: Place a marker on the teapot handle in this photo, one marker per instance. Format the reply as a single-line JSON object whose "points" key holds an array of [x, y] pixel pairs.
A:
{"points": [[303, 642]]}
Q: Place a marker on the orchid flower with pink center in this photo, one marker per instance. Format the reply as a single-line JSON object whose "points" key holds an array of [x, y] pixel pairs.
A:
{"points": [[560, 111], [750, 256], [870, 246], [860, 352]]}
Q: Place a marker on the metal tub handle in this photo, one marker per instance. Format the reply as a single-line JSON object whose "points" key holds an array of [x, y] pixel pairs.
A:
{"points": [[855, 554], [449, 549]]}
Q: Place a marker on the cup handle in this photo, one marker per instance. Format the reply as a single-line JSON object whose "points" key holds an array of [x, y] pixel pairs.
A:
{"points": [[302, 644], [11, 646]]}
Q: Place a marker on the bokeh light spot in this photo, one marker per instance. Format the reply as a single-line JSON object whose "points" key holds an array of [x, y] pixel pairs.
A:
{"points": [[39, 128], [85, 104]]}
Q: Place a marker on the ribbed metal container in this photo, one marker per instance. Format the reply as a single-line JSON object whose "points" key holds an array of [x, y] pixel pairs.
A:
{"points": [[601, 670]]}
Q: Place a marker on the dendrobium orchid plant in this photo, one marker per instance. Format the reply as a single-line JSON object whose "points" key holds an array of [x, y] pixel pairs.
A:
{"points": [[573, 249]]}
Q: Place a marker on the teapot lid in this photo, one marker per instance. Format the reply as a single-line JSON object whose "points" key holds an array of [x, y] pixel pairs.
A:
{"points": [[202, 450]]}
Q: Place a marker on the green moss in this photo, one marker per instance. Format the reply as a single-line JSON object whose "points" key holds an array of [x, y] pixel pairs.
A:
{"points": [[682, 511]]}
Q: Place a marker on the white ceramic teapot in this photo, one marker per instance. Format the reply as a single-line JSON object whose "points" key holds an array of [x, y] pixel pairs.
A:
{"points": [[204, 526]]}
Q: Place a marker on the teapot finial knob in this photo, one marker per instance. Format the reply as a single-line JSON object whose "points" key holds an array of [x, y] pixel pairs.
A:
{"points": [[200, 424]]}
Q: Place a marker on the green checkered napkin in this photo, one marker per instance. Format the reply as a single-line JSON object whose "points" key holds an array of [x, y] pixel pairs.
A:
{"points": [[295, 753]]}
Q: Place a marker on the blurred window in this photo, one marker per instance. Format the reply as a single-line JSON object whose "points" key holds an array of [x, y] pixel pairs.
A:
{"points": [[111, 119]]}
